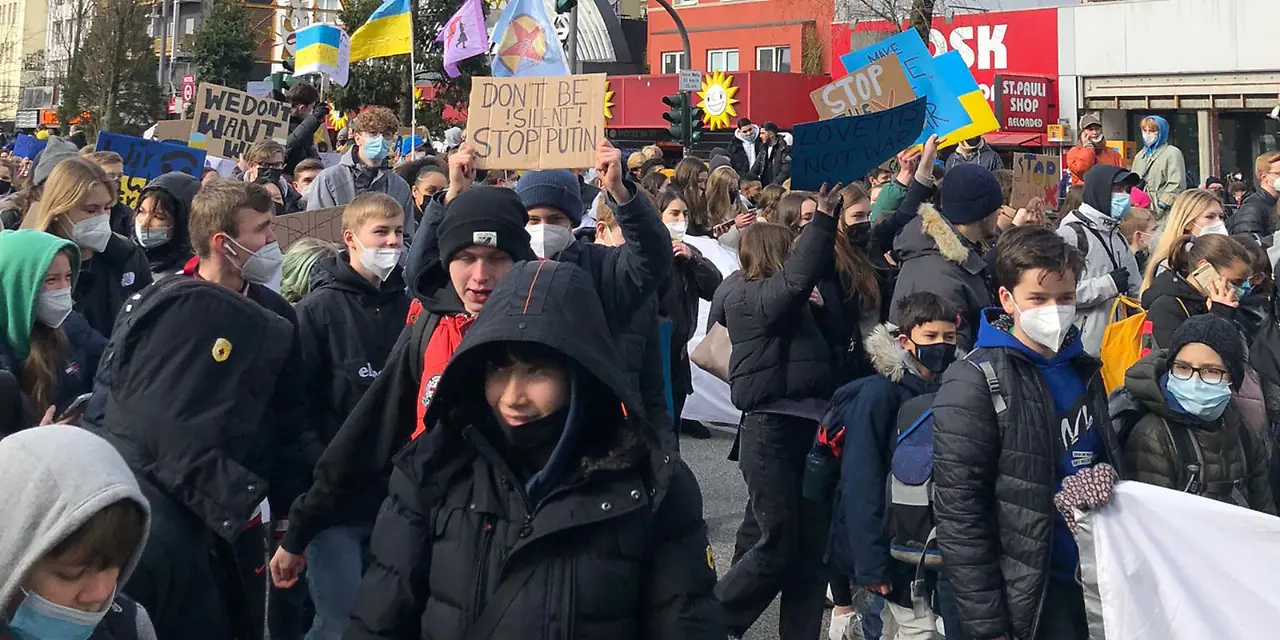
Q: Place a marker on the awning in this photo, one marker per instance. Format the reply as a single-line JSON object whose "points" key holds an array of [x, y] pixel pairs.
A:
{"points": [[1008, 139]]}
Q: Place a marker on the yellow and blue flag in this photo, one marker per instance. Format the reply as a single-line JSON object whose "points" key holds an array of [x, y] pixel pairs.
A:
{"points": [[387, 32], [322, 48], [525, 42], [955, 74]]}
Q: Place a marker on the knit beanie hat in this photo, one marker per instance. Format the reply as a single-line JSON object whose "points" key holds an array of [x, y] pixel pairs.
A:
{"points": [[485, 216], [54, 152], [970, 193], [555, 188], [1217, 334]]}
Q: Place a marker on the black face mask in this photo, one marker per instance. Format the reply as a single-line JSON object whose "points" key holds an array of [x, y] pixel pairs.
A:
{"points": [[273, 175], [859, 235], [936, 357], [543, 432], [5, 187]]}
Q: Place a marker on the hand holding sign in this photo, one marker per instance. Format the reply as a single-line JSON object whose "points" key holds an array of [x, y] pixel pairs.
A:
{"points": [[845, 149], [830, 202]]}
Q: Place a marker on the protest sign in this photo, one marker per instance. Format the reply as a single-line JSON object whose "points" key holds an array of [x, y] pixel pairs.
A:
{"points": [[536, 122], [322, 224], [944, 112], [845, 149], [1035, 176], [145, 160], [28, 147], [953, 73], [173, 131], [875, 87], [227, 121]]}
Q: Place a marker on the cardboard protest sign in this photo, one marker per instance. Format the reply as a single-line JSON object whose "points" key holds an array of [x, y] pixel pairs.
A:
{"points": [[845, 149], [227, 121], [875, 87], [173, 131], [322, 224], [1035, 176], [944, 112], [28, 147], [145, 160], [536, 122]]}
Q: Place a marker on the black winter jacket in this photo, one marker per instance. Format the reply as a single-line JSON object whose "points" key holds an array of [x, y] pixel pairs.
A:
{"points": [[121, 219], [692, 279], [170, 257], [107, 279], [1256, 215], [78, 367], [301, 143], [1170, 300], [934, 257], [994, 480], [779, 350], [773, 163], [616, 548]]}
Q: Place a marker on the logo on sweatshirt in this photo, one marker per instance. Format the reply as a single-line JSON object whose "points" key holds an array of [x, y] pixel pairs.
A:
{"points": [[485, 238], [367, 371], [430, 390], [127, 279], [72, 368]]}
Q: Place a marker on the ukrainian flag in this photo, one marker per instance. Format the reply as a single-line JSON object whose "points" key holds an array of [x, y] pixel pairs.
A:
{"points": [[955, 73], [387, 32], [319, 48]]}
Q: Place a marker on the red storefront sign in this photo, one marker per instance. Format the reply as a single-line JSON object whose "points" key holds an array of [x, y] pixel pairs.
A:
{"points": [[1022, 102]]}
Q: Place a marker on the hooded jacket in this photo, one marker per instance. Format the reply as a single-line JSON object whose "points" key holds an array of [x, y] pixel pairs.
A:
{"points": [[107, 279], [1163, 169], [58, 477], [690, 280], [1256, 215], [984, 155], [773, 162], [739, 158], [1232, 453], [614, 548], [1092, 226], [934, 257], [336, 187], [168, 258], [1170, 300]]}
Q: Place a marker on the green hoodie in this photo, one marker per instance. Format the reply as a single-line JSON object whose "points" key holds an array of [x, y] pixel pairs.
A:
{"points": [[25, 256]]}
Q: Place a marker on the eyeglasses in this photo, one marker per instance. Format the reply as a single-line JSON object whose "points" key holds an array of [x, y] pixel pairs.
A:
{"points": [[1210, 375]]}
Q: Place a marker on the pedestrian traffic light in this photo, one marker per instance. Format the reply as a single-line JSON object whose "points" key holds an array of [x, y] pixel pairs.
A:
{"points": [[695, 125], [678, 115], [565, 6]]}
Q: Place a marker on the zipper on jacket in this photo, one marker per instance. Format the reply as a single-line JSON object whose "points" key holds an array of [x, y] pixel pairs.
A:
{"points": [[486, 541]]}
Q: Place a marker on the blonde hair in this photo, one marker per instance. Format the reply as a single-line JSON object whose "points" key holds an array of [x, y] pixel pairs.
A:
{"points": [[370, 206], [67, 188], [262, 150], [723, 203], [101, 158], [1186, 208]]}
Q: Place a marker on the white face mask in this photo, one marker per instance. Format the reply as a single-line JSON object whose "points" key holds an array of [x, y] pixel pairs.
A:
{"points": [[92, 233], [1149, 138], [53, 307], [548, 240], [151, 238], [263, 265], [381, 261], [1218, 228], [1047, 325], [678, 229], [1275, 184]]}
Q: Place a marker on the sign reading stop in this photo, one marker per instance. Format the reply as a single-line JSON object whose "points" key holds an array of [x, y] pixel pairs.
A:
{"points": [[189, 88]]}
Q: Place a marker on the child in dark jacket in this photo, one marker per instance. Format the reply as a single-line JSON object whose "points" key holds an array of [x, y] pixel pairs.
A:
{"points": [[909, 359]]}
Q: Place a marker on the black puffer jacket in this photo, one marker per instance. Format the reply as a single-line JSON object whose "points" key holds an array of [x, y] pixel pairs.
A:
{"points": [[107, 279], [170, 257], [1256, 215], [614, 548], [779, 350], [994, 480], [692, 279], [1170, 300]]}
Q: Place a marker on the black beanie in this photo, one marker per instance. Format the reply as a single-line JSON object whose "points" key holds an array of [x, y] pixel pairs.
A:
{"points": [[1217, 334], [970, 193], [488, 217]]}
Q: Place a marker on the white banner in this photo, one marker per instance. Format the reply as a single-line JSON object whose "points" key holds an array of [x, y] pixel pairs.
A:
{"points": [[710, 399]]}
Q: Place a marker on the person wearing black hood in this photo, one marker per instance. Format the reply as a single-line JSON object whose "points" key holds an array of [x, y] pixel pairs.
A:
{"points": [[160, 225], [306, 115], [538, 504], [348, 325]]}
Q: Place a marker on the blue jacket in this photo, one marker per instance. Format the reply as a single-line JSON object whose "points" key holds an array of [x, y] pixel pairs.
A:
{"points": [[75, 374]]}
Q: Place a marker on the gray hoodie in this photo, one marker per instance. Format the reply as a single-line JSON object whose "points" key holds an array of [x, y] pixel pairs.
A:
{"points": [[56, 478]]}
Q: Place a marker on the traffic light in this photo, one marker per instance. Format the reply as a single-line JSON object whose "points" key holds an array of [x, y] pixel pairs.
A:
{"points": [[695, 125], [678, 115], [565, 6]]}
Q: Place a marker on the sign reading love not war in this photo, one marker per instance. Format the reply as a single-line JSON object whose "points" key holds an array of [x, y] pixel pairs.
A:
{"points": [[227, 121], [551, 122], [146, 160], [877, 86], [1035, 176], [845, 149]]}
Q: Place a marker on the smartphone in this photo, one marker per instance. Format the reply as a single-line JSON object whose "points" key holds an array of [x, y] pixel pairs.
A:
{"points": [[76, 409], [721, 228], [1205, 276]]}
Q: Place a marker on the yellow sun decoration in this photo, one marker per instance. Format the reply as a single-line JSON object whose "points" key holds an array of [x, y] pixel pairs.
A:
{"points": [[608, 102], [717, 100]]}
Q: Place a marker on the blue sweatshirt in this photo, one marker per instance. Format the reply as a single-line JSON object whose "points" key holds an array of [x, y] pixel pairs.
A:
{"points": [[1079, 442]]}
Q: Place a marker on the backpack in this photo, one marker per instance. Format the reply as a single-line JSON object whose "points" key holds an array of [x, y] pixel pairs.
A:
{"points": [[1127, 336]]}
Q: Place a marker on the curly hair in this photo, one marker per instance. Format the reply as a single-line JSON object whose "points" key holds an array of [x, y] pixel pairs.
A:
{"points": [[376, 119]]}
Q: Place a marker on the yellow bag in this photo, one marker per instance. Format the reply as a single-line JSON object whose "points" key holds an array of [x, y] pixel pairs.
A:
{"points": [[1125, 340]]}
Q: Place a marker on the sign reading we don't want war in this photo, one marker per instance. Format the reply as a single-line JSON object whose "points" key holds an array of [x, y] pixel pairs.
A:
{"points": [[227, 121], [536, 123]]}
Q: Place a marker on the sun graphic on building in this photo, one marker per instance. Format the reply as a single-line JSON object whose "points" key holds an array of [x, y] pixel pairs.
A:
{"points": [[717, 100], [523, 40], [608, 102]]}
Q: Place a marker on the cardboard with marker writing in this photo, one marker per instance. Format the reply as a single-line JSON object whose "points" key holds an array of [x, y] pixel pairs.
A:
{"points": [[322, 224], [146, 160], [173, 131], [1035, 176], [536, 123], [874, 87], [845, 149], [227, 121]]}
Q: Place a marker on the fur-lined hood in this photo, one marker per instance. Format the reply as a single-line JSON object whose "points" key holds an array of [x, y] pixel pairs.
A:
{"points": [[885, 353], [930, 234]]}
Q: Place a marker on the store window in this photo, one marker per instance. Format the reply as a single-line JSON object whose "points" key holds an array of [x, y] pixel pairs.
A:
{"points": [[672, 61], [722, 60], [773, 59], [1184, 133], [1242, 137]]}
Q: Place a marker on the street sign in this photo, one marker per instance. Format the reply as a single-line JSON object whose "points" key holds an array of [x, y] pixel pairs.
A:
{"points": [[188, 88], [690, 80]]}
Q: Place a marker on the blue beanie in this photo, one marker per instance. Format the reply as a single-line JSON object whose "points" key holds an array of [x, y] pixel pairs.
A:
{"points": [[555, 188], [970, 193]]}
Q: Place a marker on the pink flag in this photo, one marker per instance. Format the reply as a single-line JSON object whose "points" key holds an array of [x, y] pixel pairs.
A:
{"points": [[463, 36]]}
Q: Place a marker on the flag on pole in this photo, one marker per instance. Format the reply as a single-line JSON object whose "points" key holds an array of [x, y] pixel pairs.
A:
{"points": [[526, 42], [387, 32], [463, 36], [322, 48]]}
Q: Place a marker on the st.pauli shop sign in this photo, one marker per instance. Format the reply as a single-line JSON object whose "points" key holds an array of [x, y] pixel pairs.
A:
{"points": [[1022, 102]]}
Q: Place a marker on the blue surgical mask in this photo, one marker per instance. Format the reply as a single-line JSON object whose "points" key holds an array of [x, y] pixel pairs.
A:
{"points": [[1120, 204], [375, 149], [1199, 398], [39, 619], [1243, 290]]}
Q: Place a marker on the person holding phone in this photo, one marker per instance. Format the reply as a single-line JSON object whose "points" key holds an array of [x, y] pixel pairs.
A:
{"points": [[49, 349], [1210, 275]]}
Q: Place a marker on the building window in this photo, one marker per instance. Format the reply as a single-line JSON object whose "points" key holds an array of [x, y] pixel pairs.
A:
{"points": [[672, 61], [189, 26], [722, 60], [773, 59], [684, 3]]}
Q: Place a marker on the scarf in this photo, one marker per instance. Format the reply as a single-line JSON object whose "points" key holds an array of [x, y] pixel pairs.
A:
{"points": [[444, 342]]}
